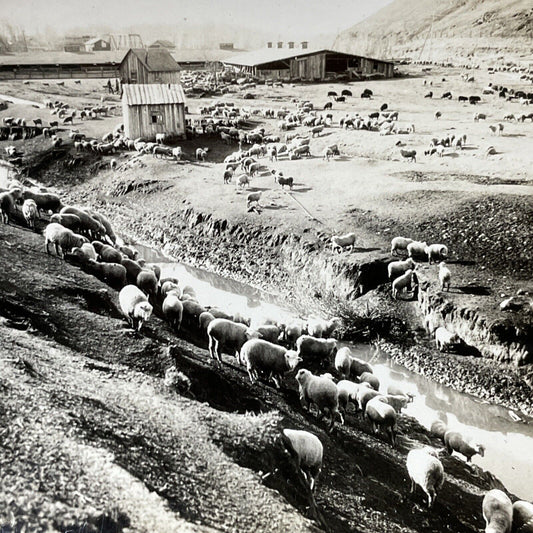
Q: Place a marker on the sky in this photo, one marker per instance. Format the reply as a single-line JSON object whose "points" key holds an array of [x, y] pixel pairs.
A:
{"points": [[281, 17]]}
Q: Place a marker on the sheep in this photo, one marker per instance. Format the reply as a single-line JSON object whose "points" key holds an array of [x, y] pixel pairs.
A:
{"points": [[269, 332], [87, 249], [399, 244], [368, 377], [522, 517], [112, 274], [339, 242], [365, 393], [177, 153], [436, 252], [172, 309], [201, 153], [147, 282], [29, 211], [7, 206], [191, 312], [88, 224], [445, 276], [240, 319], [410, 155], [426, 471], [416, 249], [261, 356], [480, 116], [396, 401], [320, 391], [347, 393], [438, 429], [496, 129], [285, 181], [317, 130], [293, 331], [228, 175], [204, 320], [69, 221], [454, 441], [129, 252], [348, 366], [135, 306], [311, 349], [444, 339], [106, 253], [108, 228], [160, 138], [438, 114], [44, 201], [243, 180], [497, 511], [217, 313], [429, 94], [223, 333], [401, 283], [381, 414], [62, 238], [253, 197], [132, 268], [397, 268], [306, 450], [319, 328]]}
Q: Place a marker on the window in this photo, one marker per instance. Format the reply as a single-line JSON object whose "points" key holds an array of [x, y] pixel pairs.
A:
{"points": [[157, 118], [133, 76]]}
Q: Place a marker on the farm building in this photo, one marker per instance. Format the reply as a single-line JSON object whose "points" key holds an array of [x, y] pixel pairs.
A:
{"points": [[161, 43], [147, 66], [97, 45], [309, 65], [74, 43], [197, 59], [153, 108]]}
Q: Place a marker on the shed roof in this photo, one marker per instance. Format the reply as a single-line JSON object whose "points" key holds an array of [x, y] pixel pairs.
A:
{"points": [[63, 58], [162, 43], [189, 55], [156, 59], [269, 55], [94, 40], [153, 94]]}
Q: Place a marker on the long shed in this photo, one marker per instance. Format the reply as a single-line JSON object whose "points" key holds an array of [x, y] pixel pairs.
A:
{"points": [[148, 109], [146, 66]]}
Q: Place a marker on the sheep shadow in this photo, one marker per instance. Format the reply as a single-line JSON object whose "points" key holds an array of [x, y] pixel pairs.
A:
{"points": [[274, 207], [357, 249], [453, 155], [470, 147], [302, 189], [513, 135], [258, 189], [342, 158], [463, 262], [476, 290], [324, 135]]}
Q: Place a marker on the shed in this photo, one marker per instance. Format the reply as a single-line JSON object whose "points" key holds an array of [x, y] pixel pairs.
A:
{"points": [[97, 45], [162, 43], [308, 65], [147, 66], [153, 108]]}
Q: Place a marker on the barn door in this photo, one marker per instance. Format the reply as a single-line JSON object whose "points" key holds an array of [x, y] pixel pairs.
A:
{"points": [[302, 68]]}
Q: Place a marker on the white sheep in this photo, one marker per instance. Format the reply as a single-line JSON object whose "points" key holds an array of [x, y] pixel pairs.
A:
{"points": [[416, 249], [270, 359], [497, 511], [135, 306], [223, 333], [62, 238], [316, 327], [347, 365], [426, 471], [370, 378], [454, 441], [307, 451], [365, 394], [172, 308], [339, 242], [242, 181], [87, 249], [382, 415], [401, 283], [253, 197], [293, 331], [204, 320], [348, 391], [399, 244], [436, 252], [522, 517], [177, 153], [30, 212], [445, 339], [320, 391], [445, 276], [397, 268]]}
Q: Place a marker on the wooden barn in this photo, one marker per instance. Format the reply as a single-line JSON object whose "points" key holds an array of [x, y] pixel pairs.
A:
{"points": [[97, 45], [308, 65], [153, 108], [147, 66]]}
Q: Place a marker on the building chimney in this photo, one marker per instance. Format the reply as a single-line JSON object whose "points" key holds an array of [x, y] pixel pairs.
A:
{"points": [[304, 45], [291, 44], [269, 44], [280, 44]]}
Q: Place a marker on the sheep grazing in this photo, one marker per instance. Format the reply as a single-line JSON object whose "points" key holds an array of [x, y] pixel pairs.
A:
{"points": [[319, 328], [349, 366], [522, 517], [112, 274], [347, 394], [445, 339], [426, 471], [106, 253], [397, 268], [454, 441], [147, 282], [229, 335], [191, 312], [269, 332], [438, 114], [271, 360], [293, 331], [88, 224], [313, 350], [399, 244], [436, 252], [62, 238], [416, 249], [204, 320], [339, 242], [429, 94], [497, 511], [396, 401], [438, 429], [7, 206], [87, 249], [368, 377], [365, 394], [132, 269], [320, 391], [307, 451], [445, 276], [253, 197], [409, 155], [242, 181], [135, 306], [172, 309], [480, 116], [401, 283], [71, 222], [44, 201], [382, 415]]}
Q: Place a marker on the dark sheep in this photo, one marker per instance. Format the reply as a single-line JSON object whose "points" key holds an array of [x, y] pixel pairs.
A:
{"points": [[329, 105], [132, 270], [463, 98], [112, 274], [447, 95], [340, 99], [332, 93], [346, 92], [106, 253], [429, 95], [384, 107]]}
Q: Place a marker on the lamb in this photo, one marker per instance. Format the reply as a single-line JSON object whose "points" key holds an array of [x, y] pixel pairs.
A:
{"points": [[319, 328], [522, 517], [454, 441], [445, 276], [71, 222], [401, 283], [261, 356], [497, 512], [399, 244], [397, 268], [44, 201], [410, 155], [29, 211], [368, 377], [147, 282], [320, 391], [62, 238], [444, 339], [135, 306], [426, 471], [7, 206], [416, 249], [339, 242], [436, 252], [312, 350], [382, 415], [348, 366], [306, 450], [112, 274], [230, 335], [172, 309]]}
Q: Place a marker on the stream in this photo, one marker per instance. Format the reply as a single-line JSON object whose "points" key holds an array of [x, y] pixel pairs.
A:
{"points": [[508, 444]]}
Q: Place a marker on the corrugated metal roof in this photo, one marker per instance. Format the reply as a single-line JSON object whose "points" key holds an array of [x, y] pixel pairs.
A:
{"points": [[269, 55], [156, 59], [153, 94]]}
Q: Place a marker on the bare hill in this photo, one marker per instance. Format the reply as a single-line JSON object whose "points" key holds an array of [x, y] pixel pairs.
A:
{"points": [[439, 30]]}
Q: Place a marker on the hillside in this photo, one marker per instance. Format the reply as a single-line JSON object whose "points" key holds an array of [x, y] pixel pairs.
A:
{"points": [[458, 28]]}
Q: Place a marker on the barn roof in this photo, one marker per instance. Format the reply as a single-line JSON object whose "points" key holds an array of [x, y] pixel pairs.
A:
{"points": [[162, 43], [94, 40], [156, 59], [63, 58], [188, 55], [153, 94], [269, 55]]}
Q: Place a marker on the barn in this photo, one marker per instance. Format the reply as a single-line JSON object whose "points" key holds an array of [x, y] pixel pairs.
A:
{"points": [[148, 66], [153, 108], [97, 45], [308, 65]]}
